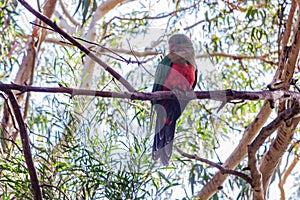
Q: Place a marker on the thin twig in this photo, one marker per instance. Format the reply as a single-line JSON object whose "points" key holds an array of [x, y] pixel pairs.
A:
{"points": [[286, 175], [155, 17], [122, 59], [12, 141], [52, 186], [220, 167], [9, 111], [67, 14], [139, 63], [239, 57], [53, 25]]}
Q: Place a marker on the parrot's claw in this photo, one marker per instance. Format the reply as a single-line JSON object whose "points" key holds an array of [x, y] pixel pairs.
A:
{"points": [[180, 94]]}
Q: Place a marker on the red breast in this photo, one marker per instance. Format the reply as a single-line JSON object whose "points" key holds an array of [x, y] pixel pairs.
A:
{"points": [[180, 77]]}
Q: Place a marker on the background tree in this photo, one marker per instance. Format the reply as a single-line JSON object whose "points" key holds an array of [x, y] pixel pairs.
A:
{"points": [[88, 147]]}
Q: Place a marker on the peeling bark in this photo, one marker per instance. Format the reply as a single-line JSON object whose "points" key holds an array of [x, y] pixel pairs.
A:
{"points": [[278, 147], [282, 79]]}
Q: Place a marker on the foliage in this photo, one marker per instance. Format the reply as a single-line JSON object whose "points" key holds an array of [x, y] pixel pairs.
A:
{"points": [[100, 148], [10, 44]]}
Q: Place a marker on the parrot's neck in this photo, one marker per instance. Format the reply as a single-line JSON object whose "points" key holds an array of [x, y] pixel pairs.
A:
{"points": [[176, 59]]}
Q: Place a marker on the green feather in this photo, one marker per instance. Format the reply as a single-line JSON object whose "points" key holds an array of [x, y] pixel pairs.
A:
{"points": [[161, 74]]}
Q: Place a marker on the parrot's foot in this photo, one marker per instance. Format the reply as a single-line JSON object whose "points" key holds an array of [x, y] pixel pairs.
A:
{"points": [[180, 94]]}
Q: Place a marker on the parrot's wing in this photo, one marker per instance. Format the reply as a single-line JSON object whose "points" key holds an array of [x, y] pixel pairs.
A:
{"points": [[161, 73]]}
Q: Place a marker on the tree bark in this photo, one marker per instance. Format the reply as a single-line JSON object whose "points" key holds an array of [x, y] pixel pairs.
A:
{"points": [[238, 154]]}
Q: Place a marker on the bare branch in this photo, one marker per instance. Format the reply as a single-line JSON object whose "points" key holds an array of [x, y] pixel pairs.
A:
{"points": [[218, 95], [155, 53], [277, 149], [47, 21], [239, 152], [89, 65], [239, 57], [137, 60], [57, 188], [37, 194], [259, 140], [288, 26], [12, 141], [156, 17], [288, 54], [195, 24], [67, 14], [239, 8], [213, 164], [284, 76]]}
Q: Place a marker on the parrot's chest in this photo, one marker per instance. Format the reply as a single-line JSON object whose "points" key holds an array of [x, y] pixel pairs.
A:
{"points": [[180, 77]]}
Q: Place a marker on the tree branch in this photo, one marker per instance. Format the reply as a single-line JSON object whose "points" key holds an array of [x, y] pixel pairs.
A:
{"points": [[239, 152], [265, 132], [278, 147], [239, 8], [284, 76], [47, 21], [156, 17], [213, 164], [286, 175], [239, 57], [155, 53], [68, 15], [88, 68], [288, 54], [218, 95], [37, 194], [57, 188]]}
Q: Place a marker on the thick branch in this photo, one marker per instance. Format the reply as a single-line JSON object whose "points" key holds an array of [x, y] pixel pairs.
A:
{"points": [[288, 54], [218, 95], [238, 154], [220, 167], [288, 26], [278, 147], [47, 21], [37, 194], [284, 75], [25, 73], [258, 141]]}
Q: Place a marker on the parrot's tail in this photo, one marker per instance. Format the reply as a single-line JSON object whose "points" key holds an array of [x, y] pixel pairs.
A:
{"points": [[163, 140]]}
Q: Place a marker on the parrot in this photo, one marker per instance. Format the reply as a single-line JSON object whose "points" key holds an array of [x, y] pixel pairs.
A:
{"points": [[176, 72]]}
